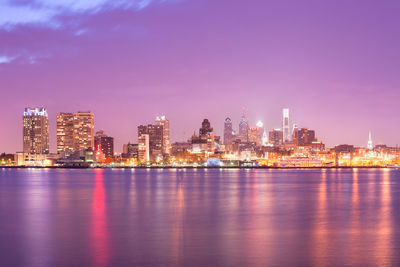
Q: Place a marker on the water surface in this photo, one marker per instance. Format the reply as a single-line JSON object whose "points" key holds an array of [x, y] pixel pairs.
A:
{"points": [[64, 217]]}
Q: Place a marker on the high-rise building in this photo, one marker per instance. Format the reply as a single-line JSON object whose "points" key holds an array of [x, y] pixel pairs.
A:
{"points": [[276, 137], [83, 130], [35, 131], [244, 129], [162, 121], [65, 133], [253, 136], [286, 125], [304, 137], [205, 128], [264, 139], [295, 130], [105, 143], [260, 131], [370, 144], [144, 148], [75, 132], [228, 132], [155, 133]]}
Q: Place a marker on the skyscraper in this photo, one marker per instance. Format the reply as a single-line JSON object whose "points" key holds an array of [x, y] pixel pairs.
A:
{"points": [[155, 135], [162, 121], [276, 137], [105, 143], [83, 130], [205, 128], [35, 131], [370, 144], [65, 133], [304, 137], [260, 132], [144, 147], [244, 129], [228, 132], [286, 125]]}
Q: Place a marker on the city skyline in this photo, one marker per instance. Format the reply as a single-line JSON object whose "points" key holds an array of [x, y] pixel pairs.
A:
{"points": [[335, 68], [76, 132]]}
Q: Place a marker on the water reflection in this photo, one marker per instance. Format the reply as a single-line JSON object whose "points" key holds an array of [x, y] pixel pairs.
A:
{"points": [[200, 217], [99, 222]]}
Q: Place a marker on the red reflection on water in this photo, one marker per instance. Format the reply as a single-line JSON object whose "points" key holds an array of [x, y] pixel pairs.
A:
{"points": [[99, 222]]}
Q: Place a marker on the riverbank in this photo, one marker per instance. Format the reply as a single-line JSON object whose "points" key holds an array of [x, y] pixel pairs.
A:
{"points": [[197, 167]]}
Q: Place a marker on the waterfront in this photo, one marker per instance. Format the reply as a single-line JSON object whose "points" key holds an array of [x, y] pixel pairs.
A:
{"points": [[199, 217]]}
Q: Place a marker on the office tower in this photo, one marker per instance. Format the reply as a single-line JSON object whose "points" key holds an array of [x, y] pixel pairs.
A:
{"points": [[205, 128], [162, 121], [294, 129], [155, 133], [286, 125], [260, 131], [243, 129], [105, 143], [83, 130], [35, 131], [65, 133], [304, 137], [130, 150], [75, 132], [264, 139], [144, 148], [370, 144], [253, 136], [276, 137], [228, 132]]}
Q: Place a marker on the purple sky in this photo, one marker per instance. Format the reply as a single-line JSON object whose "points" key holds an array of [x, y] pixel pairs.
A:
{"points": [[335, 64]]}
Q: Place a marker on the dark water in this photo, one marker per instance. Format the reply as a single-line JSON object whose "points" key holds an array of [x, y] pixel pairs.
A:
{"points": [[199, 217]]}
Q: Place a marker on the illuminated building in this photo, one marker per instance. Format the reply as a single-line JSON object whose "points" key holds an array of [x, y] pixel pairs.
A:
{"points": [[144, 148], [105, 143], [286, 125], [304, 137], [294, 131], [130, 150], [264, 139], [243, 129], [83, 130], [254, 136], [156, 141], [370, 144], [75, 132], [206, 140], [276, 137], [228, 132], [162, 121], [65, 133], [260, 132], [205, 128], [35, 131]]}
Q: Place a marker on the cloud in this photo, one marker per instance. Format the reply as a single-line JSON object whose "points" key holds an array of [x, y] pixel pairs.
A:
{"points": [[5, 59], [46, 12]]}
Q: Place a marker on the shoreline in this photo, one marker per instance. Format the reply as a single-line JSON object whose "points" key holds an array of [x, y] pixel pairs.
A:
{"points": [[199, 167]]}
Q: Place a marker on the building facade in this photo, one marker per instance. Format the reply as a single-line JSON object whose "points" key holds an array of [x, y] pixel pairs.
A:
{"points": [[244, 129], [65, 133], [35, 131], [155, 134], [83, 130], [162, 121], [286, 125], [75, 132], [144, 148], [105, 143], [228, 132]]}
